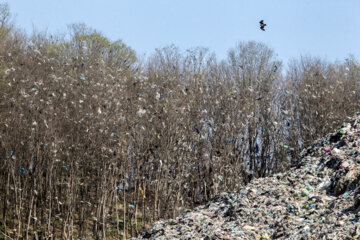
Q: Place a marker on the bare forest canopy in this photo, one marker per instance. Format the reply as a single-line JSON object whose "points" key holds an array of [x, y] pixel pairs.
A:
{"points": [[95, 142]]}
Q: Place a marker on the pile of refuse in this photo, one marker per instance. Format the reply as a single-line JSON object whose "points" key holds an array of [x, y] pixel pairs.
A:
{"points": [[318, 198]]}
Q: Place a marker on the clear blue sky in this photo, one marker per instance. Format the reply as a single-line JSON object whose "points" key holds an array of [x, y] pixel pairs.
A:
{"points": [[322, 28]]}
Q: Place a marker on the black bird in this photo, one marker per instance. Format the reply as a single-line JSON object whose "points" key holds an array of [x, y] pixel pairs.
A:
{"points": [[262, 25], [275, 68]]}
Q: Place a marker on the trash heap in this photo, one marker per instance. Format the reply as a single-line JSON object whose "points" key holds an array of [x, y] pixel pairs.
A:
{"points": [[318, 198]]}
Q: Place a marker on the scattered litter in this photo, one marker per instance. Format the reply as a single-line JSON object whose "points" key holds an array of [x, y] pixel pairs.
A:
{"points": [[141, 112]]}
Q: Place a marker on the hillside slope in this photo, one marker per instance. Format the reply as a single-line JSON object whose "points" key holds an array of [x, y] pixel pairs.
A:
{"points": [[319, 198]]}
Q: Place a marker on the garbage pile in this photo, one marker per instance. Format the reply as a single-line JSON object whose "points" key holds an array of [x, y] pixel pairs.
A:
{"points": [[318, 198]]}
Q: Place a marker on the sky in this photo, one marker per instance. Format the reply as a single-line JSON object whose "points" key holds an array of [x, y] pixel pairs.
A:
{"points": [[328, 29]]}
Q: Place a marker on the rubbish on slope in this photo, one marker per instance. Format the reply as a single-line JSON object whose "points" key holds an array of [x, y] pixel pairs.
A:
{"points": [[318, 198]]}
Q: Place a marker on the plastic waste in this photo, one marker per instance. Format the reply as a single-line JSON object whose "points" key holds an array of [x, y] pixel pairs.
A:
{"points": [[317, 199]]}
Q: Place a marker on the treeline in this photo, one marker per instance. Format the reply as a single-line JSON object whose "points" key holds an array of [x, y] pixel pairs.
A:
{"points": [[96, 143]]}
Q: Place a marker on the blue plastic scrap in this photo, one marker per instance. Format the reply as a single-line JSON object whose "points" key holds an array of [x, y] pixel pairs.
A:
{"points": [[197, 129]]}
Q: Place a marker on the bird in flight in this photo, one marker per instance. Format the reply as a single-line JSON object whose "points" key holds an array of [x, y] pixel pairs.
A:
{"points": [[262, 25]]}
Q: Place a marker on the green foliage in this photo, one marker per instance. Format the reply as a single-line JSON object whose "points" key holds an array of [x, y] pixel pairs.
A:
{"points": [[92, 43], [120, 53], [54, 49]]}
